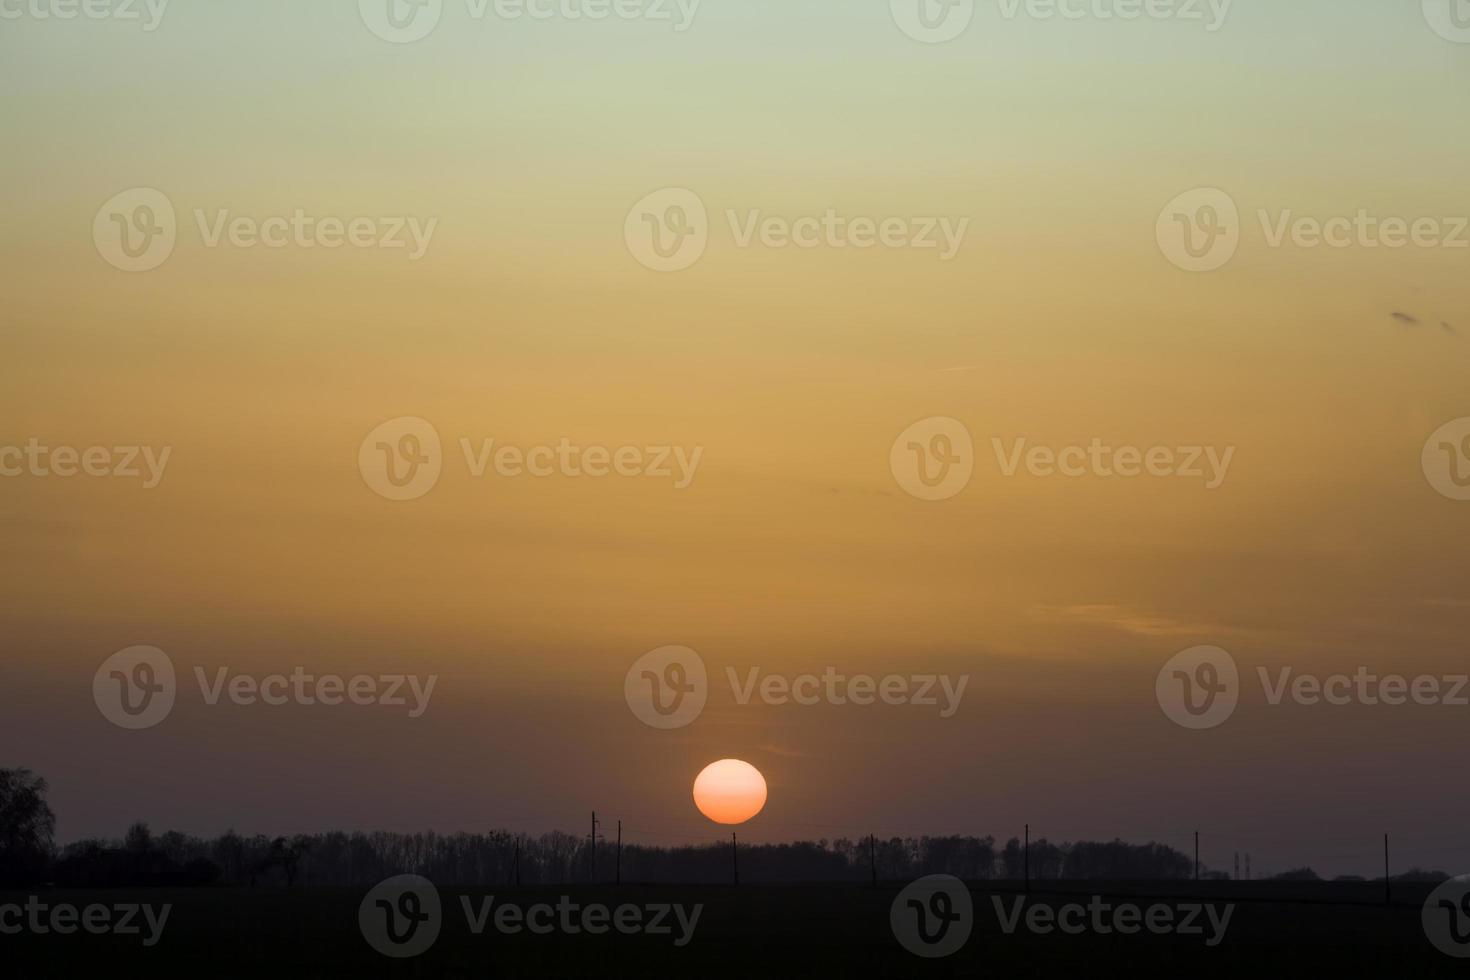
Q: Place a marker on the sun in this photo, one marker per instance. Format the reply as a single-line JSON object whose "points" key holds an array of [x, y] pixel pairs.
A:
{"points": [[730, 791]]}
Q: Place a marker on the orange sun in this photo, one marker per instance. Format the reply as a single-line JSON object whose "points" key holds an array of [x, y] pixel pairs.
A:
{"points": [[730, 791]]}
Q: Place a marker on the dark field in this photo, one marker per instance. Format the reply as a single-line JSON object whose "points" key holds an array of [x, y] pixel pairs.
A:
{"points": [[1282, 929]]}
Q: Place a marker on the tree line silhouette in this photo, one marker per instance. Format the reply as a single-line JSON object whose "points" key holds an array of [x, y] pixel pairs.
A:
{"points": [[29, 855], [502, 857]]}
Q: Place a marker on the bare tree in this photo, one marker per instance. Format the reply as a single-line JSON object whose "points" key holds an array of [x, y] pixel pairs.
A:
{"points": [[27, 825]]}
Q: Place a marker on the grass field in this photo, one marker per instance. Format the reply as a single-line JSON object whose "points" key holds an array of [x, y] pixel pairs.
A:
{"points": [[749, 931]]}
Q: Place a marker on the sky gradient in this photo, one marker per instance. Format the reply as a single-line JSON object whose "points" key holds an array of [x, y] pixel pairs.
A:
{"points": [[528, 321]]}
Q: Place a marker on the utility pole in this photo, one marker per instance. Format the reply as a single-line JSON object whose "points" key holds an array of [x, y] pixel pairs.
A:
{"points": [[592, 872], [1026, 860], [873, 858], [620, 853], [735, 857], [1196, 855], [1237, 866], [1387, 891]]}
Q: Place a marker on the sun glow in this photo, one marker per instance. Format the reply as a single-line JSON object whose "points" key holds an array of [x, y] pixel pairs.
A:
{"points": [[730, 791]]}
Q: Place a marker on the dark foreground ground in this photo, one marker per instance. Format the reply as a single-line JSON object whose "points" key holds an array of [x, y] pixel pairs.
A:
{"points": [[749, 931]]}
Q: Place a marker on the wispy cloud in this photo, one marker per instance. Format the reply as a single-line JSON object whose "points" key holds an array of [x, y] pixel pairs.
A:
{"points": [[783, 751], [1127, 619]]}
